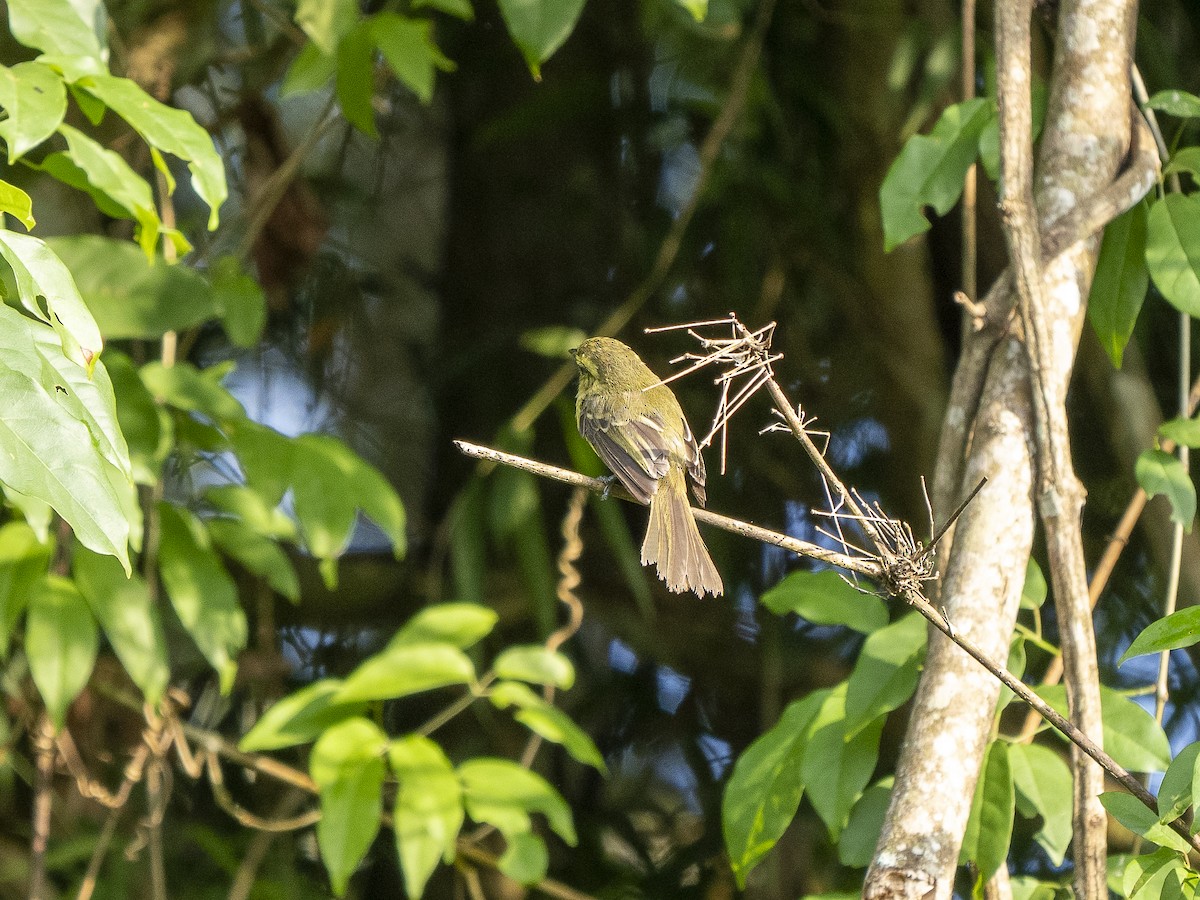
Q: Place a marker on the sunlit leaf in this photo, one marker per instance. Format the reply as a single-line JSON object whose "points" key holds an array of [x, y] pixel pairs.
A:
{"points": [[1034, 590], [1131, 736], [1179, 629], [407, 46], [59, 28], [407, 669], [1173, 250], [989, 827], [326, 22], [460, 624], [1175, 794], [1138, 818], [886, 672], [837, 766], [428, 813], [300, 717], [540, 27], [1154, 876], [188, 388], [356, 79], [1119, 286], [535, 664], [460, 9], [258, 554], [61, 641], [824, 598], [1186, 160], [35, 99], [1159, 472], [1181, 431], [1177, 103], [525, 859], [547, 721], [16, 203], [502, 793]]}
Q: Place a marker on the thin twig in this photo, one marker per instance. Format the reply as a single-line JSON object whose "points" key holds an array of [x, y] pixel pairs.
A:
{"points": [[42, 803]]}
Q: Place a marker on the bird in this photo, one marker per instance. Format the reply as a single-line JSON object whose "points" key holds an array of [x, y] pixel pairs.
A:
{"points": [[638, 429]]}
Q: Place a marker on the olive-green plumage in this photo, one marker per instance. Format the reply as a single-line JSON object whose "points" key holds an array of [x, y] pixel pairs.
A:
{"points": [[644, 438]]}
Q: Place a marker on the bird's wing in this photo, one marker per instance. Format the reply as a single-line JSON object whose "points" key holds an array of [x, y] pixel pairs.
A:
{"points": [[695, 463], [630, 445]]}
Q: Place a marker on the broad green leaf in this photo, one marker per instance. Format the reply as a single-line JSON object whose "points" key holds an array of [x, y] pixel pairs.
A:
{"points": [[1134, 815], [1173, 250], [836, 766], [1043, 788], [201, 591], [109, 174], [1120, 283], [1033, 592], [460, 624], [300, 717], [266, 456], [1185, 160], [503, 794], [408, 48], [59, 28], [548, 721], [188, 388], [241, 302], [249, 506], [16, 203], [356, 79], [61, 641], [535, 664], [145, 425], [1181, 431], [1180, 104], [326, 22], [347, 765], [856, 846], [1131, 736], [764, 791], [47, 292], [408, 669], [1179, 629], [169, 130], [930, 169], [35, 99], [23, 561], [257, 554], [428, 813], [552, 341], [1026, 887], [311, 69], [331, 483], [460, 9], [540, 27], [824, 598], [59, 437], [989, 827], [886, 672], [1175, 792], [698, 9], [130, 296], [1159, 472], [129, 617], [1154, 876], [525, 859]]}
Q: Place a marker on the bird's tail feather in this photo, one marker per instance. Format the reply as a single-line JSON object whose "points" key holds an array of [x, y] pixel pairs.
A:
{"points": [[673, 542]]}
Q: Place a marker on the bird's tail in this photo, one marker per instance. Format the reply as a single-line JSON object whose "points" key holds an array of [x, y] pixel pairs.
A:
{"points": [[673, 542]]}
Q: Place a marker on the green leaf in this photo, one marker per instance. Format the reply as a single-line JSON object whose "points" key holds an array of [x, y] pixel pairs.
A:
{"points": [[837, 766], [130, 296], [1131, 736], [249, 506], [460, 9], [1181, 431], [1043, 788], [1185, 160], [856, 847], [553, 341], [266, 456], [47, 292], [886, 672], [23, 561], [61, 642], [241, 301], [1179, 629], [408, 48], [1154, 876], [59, 436], [1033, 592], [1173, 250], [326, 22], [930, 169], [428, 813], [299, 717], [35, 99], [129, 617], [548, 721], [1159, 472], [1026, 887], [540, 27], [16, 203], [1175, 793], [1120, 283], [989, 827], [698, 9], [168, 130], [824, 598], [399, 671], [503, 794], [347, 765], [186, 387], [1180, 104], [201, 591], [1134, 815], [331, 482], [535, 664], [460, 624], [526, 859], [58, 27], [356, 79], [257, 554], [311, 69], [764, 791], [144, 424]]}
